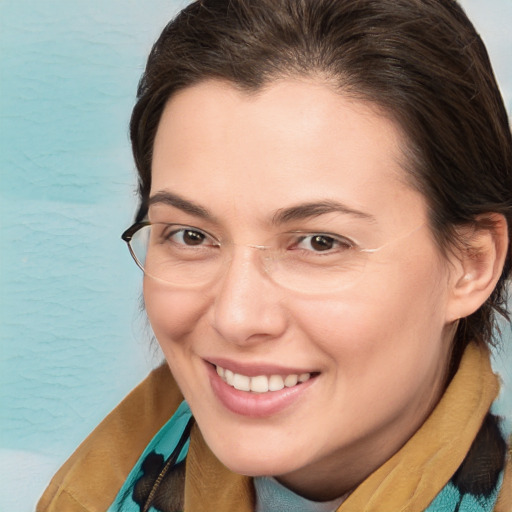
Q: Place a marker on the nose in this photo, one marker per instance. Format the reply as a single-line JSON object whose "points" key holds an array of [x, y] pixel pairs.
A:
{"points": [[248, 307]]}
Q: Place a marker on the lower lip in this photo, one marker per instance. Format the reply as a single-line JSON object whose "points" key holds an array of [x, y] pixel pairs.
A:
{"points": [[255, 405]]}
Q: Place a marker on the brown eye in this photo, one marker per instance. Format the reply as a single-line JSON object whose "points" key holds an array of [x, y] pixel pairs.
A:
{"points": [[184, 236], [191, 237], [322, 242]]}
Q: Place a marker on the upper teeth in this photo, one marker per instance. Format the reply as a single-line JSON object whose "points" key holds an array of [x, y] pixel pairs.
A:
{"points": [[261, 383]]}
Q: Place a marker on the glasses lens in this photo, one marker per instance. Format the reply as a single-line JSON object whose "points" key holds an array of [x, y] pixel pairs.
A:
{"points": [[312, 273], [188, 257], [175, 254], [184, 257]]}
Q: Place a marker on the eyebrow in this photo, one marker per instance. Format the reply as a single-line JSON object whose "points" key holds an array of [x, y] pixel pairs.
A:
{"points": [[315, 209], [181, 203], [282, 216]]}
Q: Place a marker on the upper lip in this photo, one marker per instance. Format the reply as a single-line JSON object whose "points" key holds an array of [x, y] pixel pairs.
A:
{"points": [[255, 369]]}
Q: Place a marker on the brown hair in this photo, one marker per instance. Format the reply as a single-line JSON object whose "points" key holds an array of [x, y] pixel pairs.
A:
{"points": [[420, 60]]}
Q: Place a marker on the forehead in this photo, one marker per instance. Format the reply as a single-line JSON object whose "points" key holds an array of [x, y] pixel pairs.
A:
{"points": [[292, 141]]}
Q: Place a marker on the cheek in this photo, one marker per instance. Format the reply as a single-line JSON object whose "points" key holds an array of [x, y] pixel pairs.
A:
{"points": [[344, 329], [383, 349], [388, 318], [172, 314]]}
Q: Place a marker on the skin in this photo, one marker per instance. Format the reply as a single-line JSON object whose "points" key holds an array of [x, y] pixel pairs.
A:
{"points": [[380, 345]]}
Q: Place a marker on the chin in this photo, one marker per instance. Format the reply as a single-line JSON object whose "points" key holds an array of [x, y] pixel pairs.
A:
{"points": [[253, 468], [254, 459]]}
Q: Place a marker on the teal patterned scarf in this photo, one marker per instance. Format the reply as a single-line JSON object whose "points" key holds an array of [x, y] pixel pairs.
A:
{"points": [[156, 483]]}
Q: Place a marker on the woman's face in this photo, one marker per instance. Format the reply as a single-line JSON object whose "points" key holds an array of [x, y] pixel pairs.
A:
{"points": [[298, 157]]}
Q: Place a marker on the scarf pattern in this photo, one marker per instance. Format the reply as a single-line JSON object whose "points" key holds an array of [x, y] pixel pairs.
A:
{"points": [[157, 481]]}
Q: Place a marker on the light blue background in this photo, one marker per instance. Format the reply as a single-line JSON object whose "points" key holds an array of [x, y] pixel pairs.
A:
{"points": [[73, 341]]}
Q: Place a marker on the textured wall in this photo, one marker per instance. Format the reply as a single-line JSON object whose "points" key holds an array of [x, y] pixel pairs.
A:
{"points": [[72, 340]]}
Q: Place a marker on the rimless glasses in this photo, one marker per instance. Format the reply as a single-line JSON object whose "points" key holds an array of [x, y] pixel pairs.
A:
{"points": [[188, 257]]}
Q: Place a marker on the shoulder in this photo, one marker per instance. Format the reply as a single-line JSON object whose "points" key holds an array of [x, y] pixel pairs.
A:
{"points": [[92, 476]]}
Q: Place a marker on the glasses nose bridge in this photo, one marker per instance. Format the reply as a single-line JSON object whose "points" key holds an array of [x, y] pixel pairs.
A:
{"points": [[262, 253]]}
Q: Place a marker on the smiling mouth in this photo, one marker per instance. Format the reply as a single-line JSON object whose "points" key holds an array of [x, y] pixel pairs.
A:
{"points": [[261, 383]]}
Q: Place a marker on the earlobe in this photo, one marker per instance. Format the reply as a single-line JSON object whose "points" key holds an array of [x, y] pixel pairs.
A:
{"points": [[479, 264]]}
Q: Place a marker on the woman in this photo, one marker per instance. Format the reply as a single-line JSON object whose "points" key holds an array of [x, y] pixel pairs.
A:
{"points": [[324, 227]]}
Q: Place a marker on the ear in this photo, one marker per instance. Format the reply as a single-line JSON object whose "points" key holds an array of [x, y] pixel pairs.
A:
{"points": [[477, 264]]}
